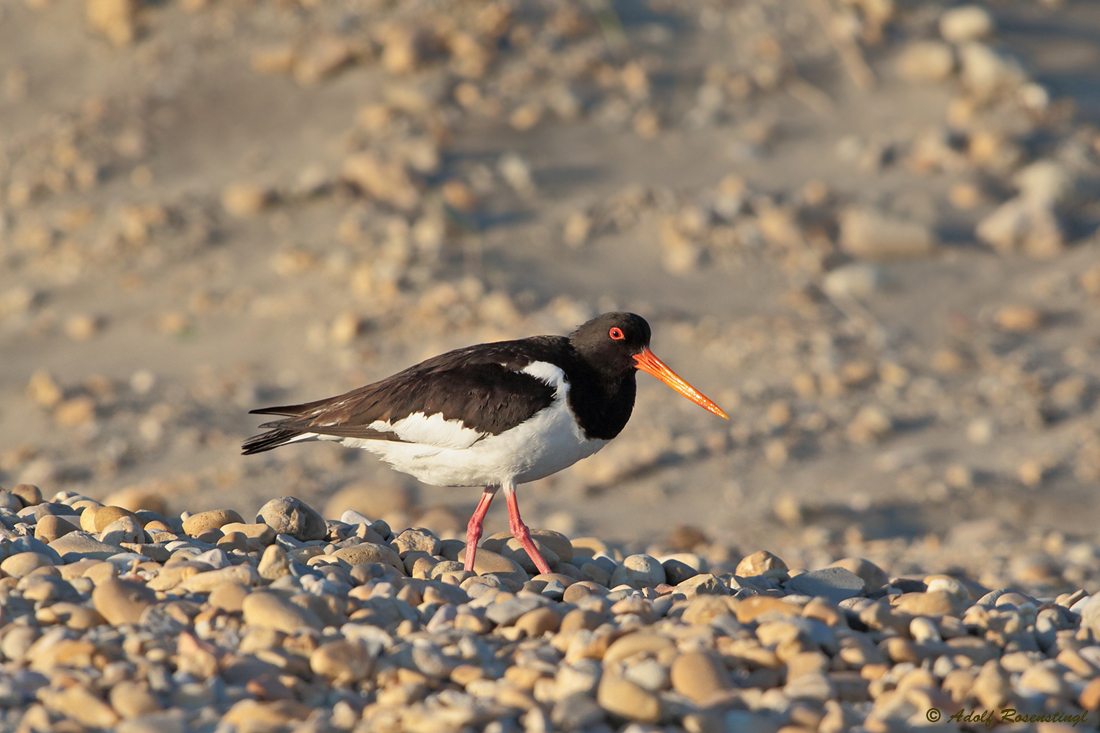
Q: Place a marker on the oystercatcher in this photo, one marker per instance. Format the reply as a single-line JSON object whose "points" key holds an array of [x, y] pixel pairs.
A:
{"points": [[492, 415]]}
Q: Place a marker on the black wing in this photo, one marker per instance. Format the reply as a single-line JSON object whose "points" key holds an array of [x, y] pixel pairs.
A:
{"points": [[481, 386]]}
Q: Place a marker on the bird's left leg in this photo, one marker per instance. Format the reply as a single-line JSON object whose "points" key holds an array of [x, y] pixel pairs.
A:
{"points": [[520, 530], [473, 529]]}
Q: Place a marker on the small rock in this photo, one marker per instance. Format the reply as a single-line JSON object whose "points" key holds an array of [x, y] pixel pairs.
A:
{"points": [[627, 699], [1018, 318], [122, 602], [870, 234], [368, 552], [274, 611], [833, 583], [640, 571], [114, 19], [926, 61], [343, 661], [873, 576], [198, 523], [762, 563], [244, 199], [292, 516], [966, 23], [699, 676]]}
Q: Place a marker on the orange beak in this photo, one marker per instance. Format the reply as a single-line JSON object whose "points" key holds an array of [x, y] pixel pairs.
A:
{"points": [[649, 363]]}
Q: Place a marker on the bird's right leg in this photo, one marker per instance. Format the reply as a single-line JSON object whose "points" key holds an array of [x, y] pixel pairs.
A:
{"points": [[473, 529]]}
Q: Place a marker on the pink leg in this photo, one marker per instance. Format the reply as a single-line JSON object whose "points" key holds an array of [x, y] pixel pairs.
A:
{"points": [[520, 531], [473, 529]]}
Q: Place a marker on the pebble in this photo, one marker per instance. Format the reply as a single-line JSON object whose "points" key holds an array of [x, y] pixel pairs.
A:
{"points": [[121, 602], [288, 515], [627, 699], [926, 61], [640, 571], [699, 676], [834, 583], [198, 523], [274, 611], [966, 23], [873, 235], [762, 563]]}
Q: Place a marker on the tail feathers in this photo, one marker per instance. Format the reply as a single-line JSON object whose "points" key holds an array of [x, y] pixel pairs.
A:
{"points": [[272, 439]]}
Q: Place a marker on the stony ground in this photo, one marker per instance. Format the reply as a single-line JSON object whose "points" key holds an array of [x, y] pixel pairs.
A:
{"points": [[865, 228], [137, 622]]}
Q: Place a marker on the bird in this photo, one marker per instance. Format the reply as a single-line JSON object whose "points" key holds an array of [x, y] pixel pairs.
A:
{"points": [[493, 415]]}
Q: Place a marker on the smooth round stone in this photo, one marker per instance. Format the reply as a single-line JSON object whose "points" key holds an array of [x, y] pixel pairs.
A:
{"points": [[78, 545], [274, 563], [123, 529], [763, 563], [131, 699], [946, 583], [513, 550], [274, 611], [107, 515], [24, 563], [258, 532], [835, 584], [10, 502], [703, 584], [1012, 598], [576, 711], [29, 494], [699, 675], [873, 576], [447, 566], [537, 622], [582, 588], [640, 642], [210, 581], [677, 571], [639, 571], [196, 524], [487, 562], [368, 552], [930, 603], [628, 699], [122, 602], [51, 527], [924, 630], [343, 661], [292, 516]]}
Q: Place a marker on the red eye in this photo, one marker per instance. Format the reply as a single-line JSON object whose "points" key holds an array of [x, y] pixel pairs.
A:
{"points": [[616, 333]]}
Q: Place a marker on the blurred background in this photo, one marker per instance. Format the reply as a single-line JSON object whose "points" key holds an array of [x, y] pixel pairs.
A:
{"points": [[866, 228]]}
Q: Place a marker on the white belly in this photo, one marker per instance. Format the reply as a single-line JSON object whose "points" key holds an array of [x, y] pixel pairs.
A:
{"points": [[542, 446]]}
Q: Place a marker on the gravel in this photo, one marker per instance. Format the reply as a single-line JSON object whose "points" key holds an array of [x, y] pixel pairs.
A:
{"points": [[234, 627]]}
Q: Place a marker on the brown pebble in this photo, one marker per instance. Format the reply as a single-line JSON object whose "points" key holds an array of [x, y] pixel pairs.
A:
{"points": [[121, 602], [198, 523], [538, 621], [699, 676], [628, 700], [763, 563], [51, 526]]}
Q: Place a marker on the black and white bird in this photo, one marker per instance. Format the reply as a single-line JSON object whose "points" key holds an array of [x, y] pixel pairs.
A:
{"points": [[493, 415]]}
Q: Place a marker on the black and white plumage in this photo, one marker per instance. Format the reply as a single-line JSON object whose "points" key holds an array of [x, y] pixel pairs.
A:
{"points": [[492, 415]]}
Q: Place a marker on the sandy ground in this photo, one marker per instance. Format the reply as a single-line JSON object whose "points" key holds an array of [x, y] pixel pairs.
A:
{"points": [[212, 207]]}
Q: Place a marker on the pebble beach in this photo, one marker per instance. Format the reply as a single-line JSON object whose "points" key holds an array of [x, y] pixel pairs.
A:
{"points": [[866, 228], [123, 619]]}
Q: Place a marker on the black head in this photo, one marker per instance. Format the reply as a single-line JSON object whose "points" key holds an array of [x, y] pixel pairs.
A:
{"points": [[611, 341]]}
